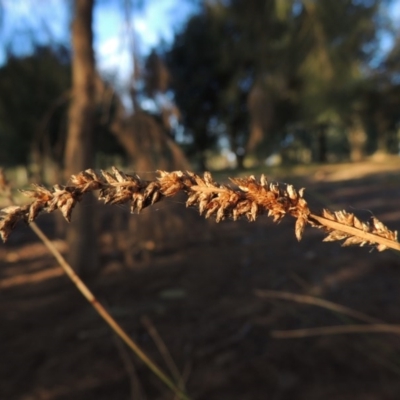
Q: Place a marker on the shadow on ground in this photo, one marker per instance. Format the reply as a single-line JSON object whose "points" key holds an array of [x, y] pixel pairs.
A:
{"points": [[199, 294]]}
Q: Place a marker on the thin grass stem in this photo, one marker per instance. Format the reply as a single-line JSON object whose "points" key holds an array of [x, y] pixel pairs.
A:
{"points": [[315, 301], [336, 330], [112, 323]]}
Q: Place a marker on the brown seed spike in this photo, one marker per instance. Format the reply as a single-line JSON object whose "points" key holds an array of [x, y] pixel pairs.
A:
{"points": [[248, 198], [220, 214], [264, 181], [7, 225], [208, 179], [34, 210], [328, 215], [300, 226], [202, 204], [377, 225], [192, 199], [156, 196], [357, 223], [335, 235], [212, 207], [119, 175], [253, 211], [345, 218], [93, 174], [66, 208], [11, 210], [353, 241], [292, 193], [108, 177], [381, 247]]}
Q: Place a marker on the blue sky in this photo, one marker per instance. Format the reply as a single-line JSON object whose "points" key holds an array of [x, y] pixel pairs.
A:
{"points": [[48, 20], [113, 31]]}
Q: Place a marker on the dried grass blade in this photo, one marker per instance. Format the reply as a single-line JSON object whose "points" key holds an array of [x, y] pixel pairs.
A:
{"points": [[316, 301], [336, 330]]}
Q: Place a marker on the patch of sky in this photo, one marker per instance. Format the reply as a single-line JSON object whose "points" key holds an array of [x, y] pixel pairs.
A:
{"points": [[28, 23]]}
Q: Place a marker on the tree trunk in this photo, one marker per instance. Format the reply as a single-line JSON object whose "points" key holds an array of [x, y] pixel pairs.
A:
{"points": [[382, 128], [81, 235], [240, 155], [357, 139], [322, 145], [149, 148]]}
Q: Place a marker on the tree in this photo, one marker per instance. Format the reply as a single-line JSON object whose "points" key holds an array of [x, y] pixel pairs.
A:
{"points": [[252, 69], [81, 235], [382, 106], [35, 86], [197, 79], [230, 74], [147, 138], [342, 38]]}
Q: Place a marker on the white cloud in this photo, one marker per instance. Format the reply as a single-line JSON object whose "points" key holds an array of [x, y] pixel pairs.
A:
{"points": [[112, 58], [148, 35]]}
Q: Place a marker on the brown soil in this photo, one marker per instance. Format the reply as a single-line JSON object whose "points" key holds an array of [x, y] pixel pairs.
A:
{"points": [[199, 293]]}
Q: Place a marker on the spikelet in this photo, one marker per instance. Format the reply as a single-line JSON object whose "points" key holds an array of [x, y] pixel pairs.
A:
{"points": [[360, 234]]}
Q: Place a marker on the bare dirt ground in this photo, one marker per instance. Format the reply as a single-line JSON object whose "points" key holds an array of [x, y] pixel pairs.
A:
{"points": [[200, 295]]}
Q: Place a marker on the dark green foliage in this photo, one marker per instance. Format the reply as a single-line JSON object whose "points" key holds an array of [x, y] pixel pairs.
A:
{"points": [[250, 71], [32, 102], [199, 77], [35, 93]]}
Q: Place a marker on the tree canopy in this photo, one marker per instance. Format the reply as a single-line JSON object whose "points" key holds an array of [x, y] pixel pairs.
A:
{"points": [[254, 70], [29, 88]]}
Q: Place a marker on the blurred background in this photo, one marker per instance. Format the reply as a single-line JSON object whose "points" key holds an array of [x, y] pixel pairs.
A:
{"points": [[305, 91]]}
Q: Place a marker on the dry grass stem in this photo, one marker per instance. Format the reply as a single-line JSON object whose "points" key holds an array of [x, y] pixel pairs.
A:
{"points": [[248, 198], [106, 315], [163, 349], [136, 387], [315, 301], [336, 330]]}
